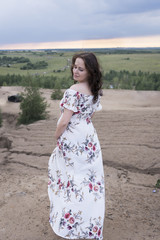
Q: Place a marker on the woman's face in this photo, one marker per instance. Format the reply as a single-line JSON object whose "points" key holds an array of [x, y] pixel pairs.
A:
{"points": [[80, 73]]}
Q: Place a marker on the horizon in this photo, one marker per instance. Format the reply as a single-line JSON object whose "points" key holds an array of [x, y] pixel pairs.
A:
{"points": [[132, 42]]}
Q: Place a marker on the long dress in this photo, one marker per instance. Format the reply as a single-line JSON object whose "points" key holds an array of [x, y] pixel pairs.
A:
{"points": [[76, 177]]}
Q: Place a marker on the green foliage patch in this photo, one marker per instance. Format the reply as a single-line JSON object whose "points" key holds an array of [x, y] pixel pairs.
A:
{"points": [[33, 106], [158, 184], [132, 80], [37, 65], [12, 60], [122, 68], [57, 94]]}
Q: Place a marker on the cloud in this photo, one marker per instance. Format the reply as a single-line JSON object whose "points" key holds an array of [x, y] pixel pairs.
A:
{"points": [[60, 20]]}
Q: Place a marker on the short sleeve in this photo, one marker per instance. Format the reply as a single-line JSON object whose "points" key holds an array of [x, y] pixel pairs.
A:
{"points": [[97, 105], [69, 101]]}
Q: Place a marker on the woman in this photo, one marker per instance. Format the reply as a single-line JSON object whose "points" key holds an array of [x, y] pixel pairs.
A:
{"points": [[76, 179]]}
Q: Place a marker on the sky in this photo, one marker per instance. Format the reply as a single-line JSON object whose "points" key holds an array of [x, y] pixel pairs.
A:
{"points": [[79, 23]]}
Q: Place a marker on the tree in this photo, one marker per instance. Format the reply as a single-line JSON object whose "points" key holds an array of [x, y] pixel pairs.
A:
{"points": [[33, 106]]}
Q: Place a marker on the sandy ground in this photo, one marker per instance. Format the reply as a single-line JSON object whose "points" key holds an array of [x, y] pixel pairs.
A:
{"points": [[129, 133]]}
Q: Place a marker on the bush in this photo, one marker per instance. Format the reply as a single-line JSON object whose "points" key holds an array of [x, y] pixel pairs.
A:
{"points": [[37, 65], [33, 106], [0, 118], [57, 94]]}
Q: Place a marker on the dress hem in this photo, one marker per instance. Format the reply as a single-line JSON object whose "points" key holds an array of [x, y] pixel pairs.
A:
{"points": [[73, 237]]}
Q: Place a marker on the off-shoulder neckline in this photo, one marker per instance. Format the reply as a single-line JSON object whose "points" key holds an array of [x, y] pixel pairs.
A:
{"points": [[80, 92]]}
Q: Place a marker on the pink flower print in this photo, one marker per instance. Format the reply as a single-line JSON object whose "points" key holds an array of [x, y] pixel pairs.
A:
{"points": [[77, 112], [86, 148], [99, 232], [49, 183], [60, 186], [95, 229], [96, 188], [88, 120], [64, 154], [62, 104], [78, 95], [90, 186], [59, 181], [68, 184], [90, 144], [67, 215], [94, 147], [71, 220]]}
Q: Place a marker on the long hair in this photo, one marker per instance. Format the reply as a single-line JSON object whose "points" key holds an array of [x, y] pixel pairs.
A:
{"points": [[93, 68]]}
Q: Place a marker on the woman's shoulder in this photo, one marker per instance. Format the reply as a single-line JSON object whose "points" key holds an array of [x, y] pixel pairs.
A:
{"points": [[81, 88], [75, 87]]}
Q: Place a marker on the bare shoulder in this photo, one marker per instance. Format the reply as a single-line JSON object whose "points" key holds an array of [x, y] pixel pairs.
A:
{"points": [[76, 87], [82, 88]]}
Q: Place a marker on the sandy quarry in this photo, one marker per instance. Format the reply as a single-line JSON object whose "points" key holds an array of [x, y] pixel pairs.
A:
{"points": [[129, 133]]}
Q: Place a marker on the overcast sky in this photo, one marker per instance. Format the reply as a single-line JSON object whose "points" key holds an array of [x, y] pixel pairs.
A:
{"points": [[29, 21]]}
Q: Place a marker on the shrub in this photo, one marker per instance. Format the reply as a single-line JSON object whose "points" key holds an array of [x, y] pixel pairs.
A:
{"points": [[37, 65], [57, 94], [33, 106], [0, 118]]}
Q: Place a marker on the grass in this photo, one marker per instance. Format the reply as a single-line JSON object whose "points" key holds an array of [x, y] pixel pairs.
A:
{"points": [[146, 62], [55, 62]]}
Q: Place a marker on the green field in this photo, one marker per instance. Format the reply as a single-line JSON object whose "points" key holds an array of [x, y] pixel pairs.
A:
{"points": [[146, 62], [55, 62], [142, 61], [131, 62]]}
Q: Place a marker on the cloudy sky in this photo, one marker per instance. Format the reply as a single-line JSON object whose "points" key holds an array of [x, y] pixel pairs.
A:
{"points": [[42, 22]]}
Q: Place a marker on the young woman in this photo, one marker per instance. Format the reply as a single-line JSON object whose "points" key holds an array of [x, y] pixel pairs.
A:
{"points": [[76, 178]]}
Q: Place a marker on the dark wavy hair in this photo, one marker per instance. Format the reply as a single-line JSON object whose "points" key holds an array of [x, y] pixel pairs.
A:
{"points": [[95, 74]]}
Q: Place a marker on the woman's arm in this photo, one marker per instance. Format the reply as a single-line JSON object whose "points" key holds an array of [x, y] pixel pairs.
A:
{"points": [[67, 114]]}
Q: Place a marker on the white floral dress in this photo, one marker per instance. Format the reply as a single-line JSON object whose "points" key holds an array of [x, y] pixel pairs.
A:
{"points": [[76, 178]]}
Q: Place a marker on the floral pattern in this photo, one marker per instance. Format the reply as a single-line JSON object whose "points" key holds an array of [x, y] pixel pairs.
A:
{"points": [[66, 189], [74, 221], [94, 186], [64, 150], [71, 221], [95, 228], [53, 215], [75, 170]]}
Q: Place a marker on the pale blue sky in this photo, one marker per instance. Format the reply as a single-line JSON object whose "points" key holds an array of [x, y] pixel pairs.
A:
{"points": [[29, 21]]}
